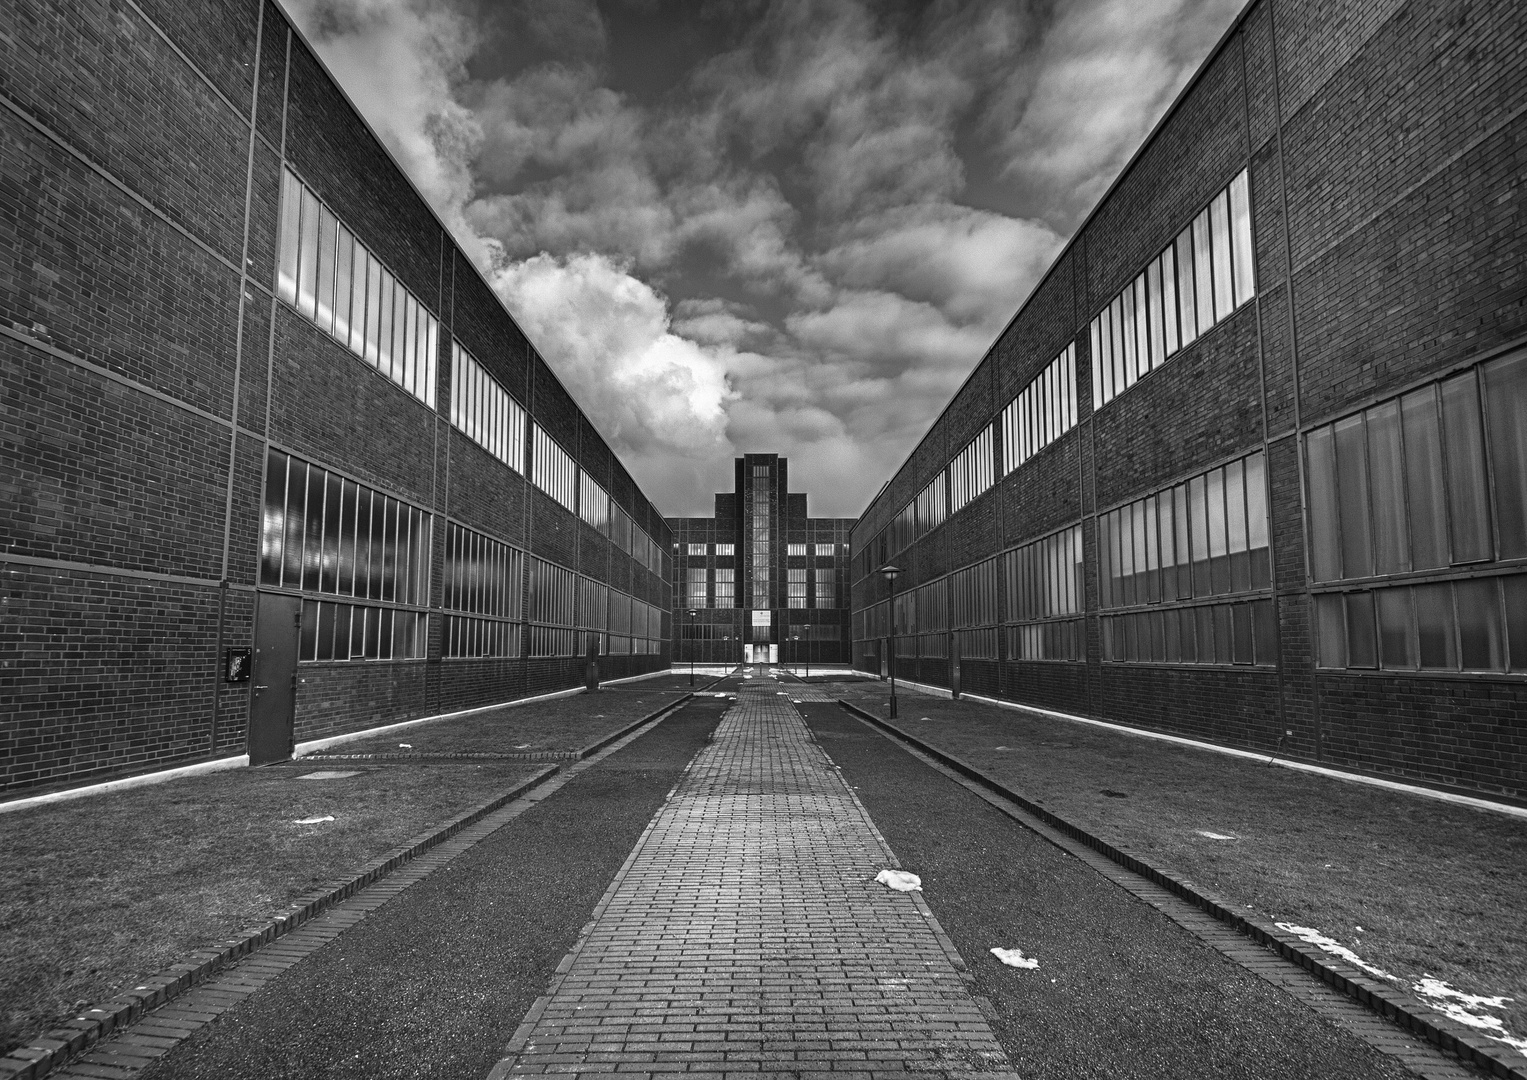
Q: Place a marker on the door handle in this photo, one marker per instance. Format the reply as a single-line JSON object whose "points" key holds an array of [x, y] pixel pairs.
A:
{"points": [[258, 687]]}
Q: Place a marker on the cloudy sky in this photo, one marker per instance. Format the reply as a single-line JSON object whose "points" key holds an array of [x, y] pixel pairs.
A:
{"points": [[753, 226]]}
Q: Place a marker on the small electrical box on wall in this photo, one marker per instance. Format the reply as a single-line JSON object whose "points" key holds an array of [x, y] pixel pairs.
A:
{"points": [[236, 665]]}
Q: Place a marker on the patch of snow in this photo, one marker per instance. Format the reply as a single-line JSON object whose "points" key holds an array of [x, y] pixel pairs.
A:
{"points": [[1015, 958], [900, 880], [1332, 946], [1215, 835], [999, 748], [405, 746], [329, 774], [314, 820], [523, 746], [1467, 1009]]}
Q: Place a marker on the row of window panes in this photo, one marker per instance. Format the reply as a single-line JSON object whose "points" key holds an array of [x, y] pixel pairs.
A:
{"points": [[553, 470], [1240, 633], [1204, 537], [482, 575], [1054, 639], [323, 533], [699, 631], [551, 593], [1041, 413], [1045, 578], [466, 636], [334, 631], [1478, 624], [1434, 478], [830, 631], [484, 411], [594, 503], [973, 595], [333, 279], [1204, 275], [970, 473], [873, 622]]}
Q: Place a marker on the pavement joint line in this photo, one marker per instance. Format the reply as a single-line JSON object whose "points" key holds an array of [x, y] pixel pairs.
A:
{"points": [[743, 933], [293, 936], [1380, 1000]]}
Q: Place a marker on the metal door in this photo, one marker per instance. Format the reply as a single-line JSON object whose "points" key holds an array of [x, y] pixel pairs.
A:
{"points": [[273, 698]]}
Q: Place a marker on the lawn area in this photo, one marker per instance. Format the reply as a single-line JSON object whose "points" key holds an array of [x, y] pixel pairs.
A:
{"points": [[1414, 886]]}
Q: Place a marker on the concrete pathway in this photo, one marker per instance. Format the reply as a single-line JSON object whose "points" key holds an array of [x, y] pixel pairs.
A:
{"points": [[746, 934]]}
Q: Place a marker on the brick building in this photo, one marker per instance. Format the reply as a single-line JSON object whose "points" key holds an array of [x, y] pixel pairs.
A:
{"points": [[1250, 463], [765, 582], [255, 398]]}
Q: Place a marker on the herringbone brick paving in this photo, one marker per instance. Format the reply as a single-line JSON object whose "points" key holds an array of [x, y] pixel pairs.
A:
{"points": [[746, 935]]}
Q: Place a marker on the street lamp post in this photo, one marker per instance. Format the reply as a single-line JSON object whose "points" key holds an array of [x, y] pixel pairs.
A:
{"points": [[796, 648], [692, 640], [807, 631], [889, 572]]}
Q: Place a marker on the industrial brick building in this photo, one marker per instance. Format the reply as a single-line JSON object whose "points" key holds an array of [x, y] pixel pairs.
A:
{"points": [[256, 399], [1250, 463], [760, 581]]}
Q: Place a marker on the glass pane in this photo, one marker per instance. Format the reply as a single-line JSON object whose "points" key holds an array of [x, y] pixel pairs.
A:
{"points": [[1506, 405], [1131, 356], [359, 275], [1515, 589], [329, 579], [1434, 627], [377, 572], [1224, 282], [1480, 642], [1240, 235], [1142, 326], [410, 353], [1387, 482], [389, 290], [1396, 645], [325, 642], [291, 220], [1183, 546], [1331, 625], [1424, 485], [1362, 646], [1235, 518], [1187, 624], [399, 310], [1222, 634], [342, 614], [1203, 277], [1186, 299], [373, 308], [1352, 481], [307, 261], [273, 518], [308, 648], [1325, 522], [343, 259], [1169, 299], [363, 542], [1153, 291], [312, 534], [1146, 535], [1265, 626], [1095, 353], [1256, 520], [1200, 536], [324, 313], [1240, 621], [1173, 635], [1219, 536], [1468, 498], [1168, 540], [1121, 379]]}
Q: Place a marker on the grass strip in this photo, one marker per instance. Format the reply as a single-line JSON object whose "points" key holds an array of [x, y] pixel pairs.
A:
{"points": [[1416, 887]]}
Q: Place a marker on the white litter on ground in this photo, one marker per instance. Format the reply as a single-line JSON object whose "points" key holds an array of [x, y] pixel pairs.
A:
{"points": [[1215, 835], [1015, 958], [314, 820], [1332, 946], [1467, 1009], [329, 774], [925, 719], [999, 748], [405, 746], [900, 880], [523, 746]]}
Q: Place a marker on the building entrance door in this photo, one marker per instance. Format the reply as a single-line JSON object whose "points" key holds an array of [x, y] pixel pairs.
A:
{"points": [[273, 699]]}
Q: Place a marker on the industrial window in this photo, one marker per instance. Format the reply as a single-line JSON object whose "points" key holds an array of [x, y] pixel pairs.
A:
{"points": [[973, 609], [970, 473], [553, 471], [1432, 482], [594, 504], [697, 549], [796, 549], [322, 533], [1204, 537], [1042, 412], [621, 526], [795, 585], [332, 278], [694, 591], [484, 411], [1045, 592], [1233, 633], [760, 472], [552, 609], [482, 577], [726, 549], [825, 549], [932, 506], [1197, 281], [760, 588], [726, 587], [824, 593]]}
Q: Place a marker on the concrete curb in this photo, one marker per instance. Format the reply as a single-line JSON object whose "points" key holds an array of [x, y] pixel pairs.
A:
{"points": [[1394, 1005], [58, 1046]]}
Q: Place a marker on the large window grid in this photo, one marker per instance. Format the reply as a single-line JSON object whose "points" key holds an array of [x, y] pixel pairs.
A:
{"points": [[553, 609], [970, 473], [483, 578], [1204, 537], [1243, 633], [694, 587], [484, 411], [824, 588], [726, 587], [795, 587], [1043, 411], [553, 470], [1045, 596], [594, 503], [1197, 281], [973, 609], [332, 278]]}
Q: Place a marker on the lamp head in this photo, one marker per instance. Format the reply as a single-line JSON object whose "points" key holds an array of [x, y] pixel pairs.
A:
{"points": [[691, 613], [889, 572]]}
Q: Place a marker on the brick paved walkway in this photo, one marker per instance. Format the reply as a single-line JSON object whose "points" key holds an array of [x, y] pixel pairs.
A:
{"points": [[746, 936]]}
